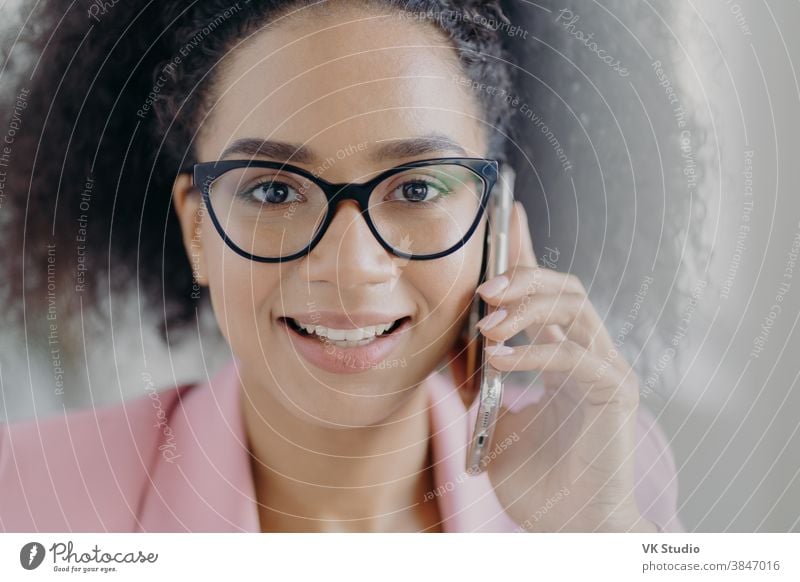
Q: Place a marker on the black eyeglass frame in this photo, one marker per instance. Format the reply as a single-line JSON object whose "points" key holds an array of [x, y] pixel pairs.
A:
{"points": [[205, 173]]}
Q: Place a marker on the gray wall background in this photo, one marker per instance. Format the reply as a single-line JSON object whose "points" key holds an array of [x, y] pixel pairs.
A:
{"points": [[648, 197], [639, 200]]}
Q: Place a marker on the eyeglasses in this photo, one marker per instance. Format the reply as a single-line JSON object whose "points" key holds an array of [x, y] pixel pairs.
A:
{"points": [[273, 212]]}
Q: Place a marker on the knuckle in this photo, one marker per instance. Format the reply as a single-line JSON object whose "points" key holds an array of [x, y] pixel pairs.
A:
{"points": [[510, 273], [496, 300], [626, 392], [518, 270], [591, 342], [536, 281], [627, 397], [576, 283], [580, 305], [495, 334], [522, 272], [572, 349]]}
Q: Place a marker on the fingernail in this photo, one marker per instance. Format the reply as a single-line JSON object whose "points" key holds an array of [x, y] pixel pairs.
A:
{"points": [[492, 319], [493, 286], [498, 350]]}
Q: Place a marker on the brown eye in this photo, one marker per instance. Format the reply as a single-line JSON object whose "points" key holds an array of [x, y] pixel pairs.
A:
{"points": [[271, 193], [271, 190], [419, 190], [415, 191]]}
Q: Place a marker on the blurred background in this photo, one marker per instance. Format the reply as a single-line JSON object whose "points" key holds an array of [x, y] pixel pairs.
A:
{"points": [[657, 148]]}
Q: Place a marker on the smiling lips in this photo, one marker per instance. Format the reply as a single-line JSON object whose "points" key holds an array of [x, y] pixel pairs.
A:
{"points": [[352, 335], [344, 327], [347, 335], [346, 344]]}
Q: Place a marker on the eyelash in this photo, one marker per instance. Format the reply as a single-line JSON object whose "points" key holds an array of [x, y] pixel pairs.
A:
{"points": [[443, 190], [247, 193]]}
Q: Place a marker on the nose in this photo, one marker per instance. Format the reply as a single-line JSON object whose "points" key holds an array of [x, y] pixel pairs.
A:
{"points": [[348, 254]]}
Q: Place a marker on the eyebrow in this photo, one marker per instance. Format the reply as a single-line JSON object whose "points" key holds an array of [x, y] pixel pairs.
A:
{"points": [[392, 149]]}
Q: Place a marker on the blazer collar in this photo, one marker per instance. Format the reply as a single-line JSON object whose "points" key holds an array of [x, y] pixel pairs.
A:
{"points": [[209, 486]]}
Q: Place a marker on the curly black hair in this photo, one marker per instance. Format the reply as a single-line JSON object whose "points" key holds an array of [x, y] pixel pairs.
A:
{"points": [[105, 102]]}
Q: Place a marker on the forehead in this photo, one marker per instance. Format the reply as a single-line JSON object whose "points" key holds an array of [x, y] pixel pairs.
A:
{"points": [[343, 79]]}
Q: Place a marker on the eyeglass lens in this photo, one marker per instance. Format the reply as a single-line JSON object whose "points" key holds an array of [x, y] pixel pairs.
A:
{"points": [[273, 213]]}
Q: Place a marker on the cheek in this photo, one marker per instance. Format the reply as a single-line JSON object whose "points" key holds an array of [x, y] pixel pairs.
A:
{"points": [[448, 284], [461, 270], [238, 289]]}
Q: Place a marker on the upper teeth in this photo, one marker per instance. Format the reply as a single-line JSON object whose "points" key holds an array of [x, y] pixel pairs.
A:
{"points": [[356, 334]]}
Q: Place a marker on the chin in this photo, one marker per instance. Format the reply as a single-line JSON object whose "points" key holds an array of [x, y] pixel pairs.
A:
{"points": [[339, 406]]}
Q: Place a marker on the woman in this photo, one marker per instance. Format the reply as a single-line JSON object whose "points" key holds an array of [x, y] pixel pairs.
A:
{"points": [[334, 414]]}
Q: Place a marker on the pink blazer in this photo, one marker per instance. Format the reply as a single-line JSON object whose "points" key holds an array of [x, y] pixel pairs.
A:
{"points": [[176, 461]]}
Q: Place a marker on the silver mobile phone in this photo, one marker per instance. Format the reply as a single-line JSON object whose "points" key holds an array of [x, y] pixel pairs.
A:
{"points": [[489, 380]]}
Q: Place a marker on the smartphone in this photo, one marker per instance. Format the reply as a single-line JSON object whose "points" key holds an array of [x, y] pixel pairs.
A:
{"points": [[480, 375]]}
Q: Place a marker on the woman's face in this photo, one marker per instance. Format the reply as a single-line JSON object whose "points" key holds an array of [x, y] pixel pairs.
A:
{"points": [[345, 87]]}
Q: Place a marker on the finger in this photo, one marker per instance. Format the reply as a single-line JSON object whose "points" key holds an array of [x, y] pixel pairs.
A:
{"points": [[595, 380], [521, 254], [572, 311], [527, 281]]}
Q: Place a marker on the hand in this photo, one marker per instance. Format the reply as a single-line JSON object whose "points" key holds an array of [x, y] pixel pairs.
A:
{"points": [[568, 464]]}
